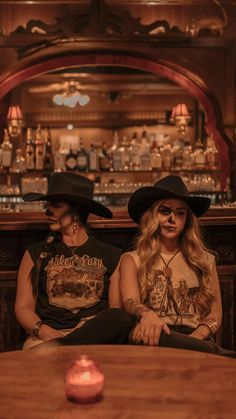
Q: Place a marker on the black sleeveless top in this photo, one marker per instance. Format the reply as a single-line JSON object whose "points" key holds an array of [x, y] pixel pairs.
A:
{"points": [[73, 282]]}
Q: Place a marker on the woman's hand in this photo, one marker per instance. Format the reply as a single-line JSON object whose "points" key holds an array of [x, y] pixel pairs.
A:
{"points": [[150, 328], [201, 332], [47, 333]]}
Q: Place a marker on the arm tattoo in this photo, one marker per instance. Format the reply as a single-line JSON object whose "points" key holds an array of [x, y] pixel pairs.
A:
{"points": [[135, 307]]}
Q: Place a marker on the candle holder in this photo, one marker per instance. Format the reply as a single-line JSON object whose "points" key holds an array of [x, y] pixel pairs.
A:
{"points": [[84, 381]]}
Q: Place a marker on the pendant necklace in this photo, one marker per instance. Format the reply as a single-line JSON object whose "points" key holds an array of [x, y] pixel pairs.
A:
{"points": [[73, 250], [167, 270]]}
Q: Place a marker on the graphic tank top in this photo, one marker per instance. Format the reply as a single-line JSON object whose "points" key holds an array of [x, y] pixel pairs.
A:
{"points": [[73, 283], [175, 300]]}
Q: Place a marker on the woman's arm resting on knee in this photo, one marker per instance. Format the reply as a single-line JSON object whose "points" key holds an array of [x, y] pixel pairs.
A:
{"points": [[210, 324], [25, 302], [150, 324]]}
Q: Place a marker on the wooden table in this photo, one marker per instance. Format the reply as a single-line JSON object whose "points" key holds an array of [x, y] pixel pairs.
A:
{"points": [[140, 382]]}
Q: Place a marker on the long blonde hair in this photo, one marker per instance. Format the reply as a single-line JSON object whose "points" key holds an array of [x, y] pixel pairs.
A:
{"points": [[193, 250]]}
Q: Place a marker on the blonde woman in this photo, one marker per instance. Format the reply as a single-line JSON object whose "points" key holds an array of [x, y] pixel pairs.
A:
{"points": [[170, 281]]}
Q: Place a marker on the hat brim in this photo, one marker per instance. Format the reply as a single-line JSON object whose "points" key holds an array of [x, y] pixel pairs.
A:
{"points": [[90, 205], [145, 197]]}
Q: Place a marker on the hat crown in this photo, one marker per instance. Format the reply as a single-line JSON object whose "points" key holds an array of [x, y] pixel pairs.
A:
{"points": [[173, 184], [70, 184]]}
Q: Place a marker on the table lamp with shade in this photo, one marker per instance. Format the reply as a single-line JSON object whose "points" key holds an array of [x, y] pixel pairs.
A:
{"points": [[180, 116], [14, 121]]}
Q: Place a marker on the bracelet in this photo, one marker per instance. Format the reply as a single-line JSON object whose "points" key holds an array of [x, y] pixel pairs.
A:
{"points": [[211, 324], [37, 327]]}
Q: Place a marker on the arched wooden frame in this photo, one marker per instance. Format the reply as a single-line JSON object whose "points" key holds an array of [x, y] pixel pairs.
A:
{"points": [[189, 81]]}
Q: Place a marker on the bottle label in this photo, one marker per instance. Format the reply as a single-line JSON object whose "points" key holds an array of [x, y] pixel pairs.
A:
{"points": [[71, 163], [29, 158], [93, 161], [82, 162], [6, 158]]}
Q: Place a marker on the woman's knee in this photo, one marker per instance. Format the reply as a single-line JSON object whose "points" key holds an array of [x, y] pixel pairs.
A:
{"points": [[120, 317]]}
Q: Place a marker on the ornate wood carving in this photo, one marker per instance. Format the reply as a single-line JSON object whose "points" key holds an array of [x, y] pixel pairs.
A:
{"points": [[99, 19]]}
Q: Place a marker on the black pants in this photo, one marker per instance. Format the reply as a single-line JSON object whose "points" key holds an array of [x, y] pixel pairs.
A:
{"points": [[183, 341], [111, 326]]}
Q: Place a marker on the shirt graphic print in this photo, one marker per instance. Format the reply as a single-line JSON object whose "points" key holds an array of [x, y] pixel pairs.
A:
{"points": [[174, 298], [75, 282]]}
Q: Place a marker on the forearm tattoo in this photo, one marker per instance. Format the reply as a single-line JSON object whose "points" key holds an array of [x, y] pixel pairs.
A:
{"points": [[135, 307]]}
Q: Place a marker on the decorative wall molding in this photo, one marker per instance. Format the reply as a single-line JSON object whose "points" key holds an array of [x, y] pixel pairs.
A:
{"points": [[99, 19]]}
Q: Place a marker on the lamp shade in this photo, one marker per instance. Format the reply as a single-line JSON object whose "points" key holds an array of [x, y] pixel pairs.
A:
{"points": [[173, 112], [14, 112], [181, 111]]}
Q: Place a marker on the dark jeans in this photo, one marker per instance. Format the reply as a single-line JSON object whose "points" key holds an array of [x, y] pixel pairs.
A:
{"points": [[110, 326], [183, 341], [113, 326]]}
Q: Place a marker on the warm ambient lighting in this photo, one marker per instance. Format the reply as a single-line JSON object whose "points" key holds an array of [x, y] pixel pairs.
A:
{"points": [[181, 117], [71, 96], [14, 120], [84, 381]]}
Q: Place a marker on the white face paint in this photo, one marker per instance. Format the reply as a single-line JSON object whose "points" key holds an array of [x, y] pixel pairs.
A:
{"points": [[172, 215]]}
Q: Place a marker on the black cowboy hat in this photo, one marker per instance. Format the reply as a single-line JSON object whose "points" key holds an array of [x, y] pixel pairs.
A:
{"points": [[165, 188], [73, 188]]}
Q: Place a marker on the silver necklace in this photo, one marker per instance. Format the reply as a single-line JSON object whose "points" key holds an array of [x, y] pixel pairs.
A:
{"points": [[74, 256], [167, 269]]}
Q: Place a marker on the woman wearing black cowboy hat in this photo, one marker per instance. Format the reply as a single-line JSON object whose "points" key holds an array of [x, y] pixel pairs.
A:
{"points": [[62, 289], [170, 281]]}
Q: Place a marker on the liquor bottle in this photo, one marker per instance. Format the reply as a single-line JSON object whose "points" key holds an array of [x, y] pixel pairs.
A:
{"points": [[199, 156], [19, 163], [115, 154], [188, 155], [144, 152], [59, 157], [166, 156], [212, 155], [6, 149], [134, 153], [39, 149], [82, 158], [177, 151], [48, 160], [104, 159], [155, 159], [29, 150], [125, 154], [93, 158], [71, 160]]}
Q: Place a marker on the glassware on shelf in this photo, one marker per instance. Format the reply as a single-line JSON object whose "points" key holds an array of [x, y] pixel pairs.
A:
{"points": [[35, 184]]}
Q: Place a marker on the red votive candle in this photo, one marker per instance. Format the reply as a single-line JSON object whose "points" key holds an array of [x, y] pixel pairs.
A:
{"points": [[84, 381]]}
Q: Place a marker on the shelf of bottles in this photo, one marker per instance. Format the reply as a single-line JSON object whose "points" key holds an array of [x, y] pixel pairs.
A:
{"points": [[117, 170]]}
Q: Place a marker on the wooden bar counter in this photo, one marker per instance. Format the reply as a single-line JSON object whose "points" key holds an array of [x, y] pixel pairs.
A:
{"points": [[19, 230]]}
